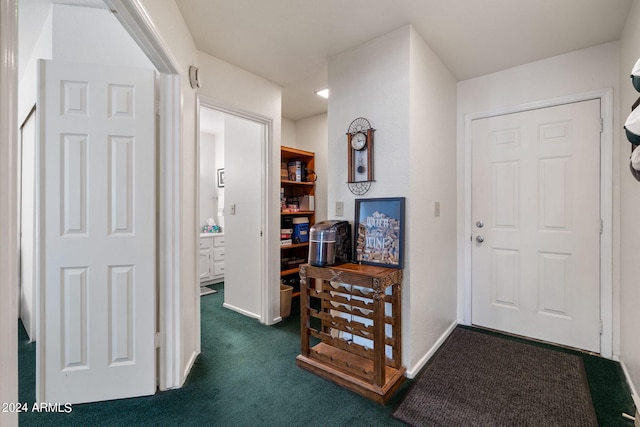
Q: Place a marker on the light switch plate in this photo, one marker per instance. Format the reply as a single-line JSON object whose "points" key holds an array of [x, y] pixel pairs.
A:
{"points": [[436, 209], [339, 208]]}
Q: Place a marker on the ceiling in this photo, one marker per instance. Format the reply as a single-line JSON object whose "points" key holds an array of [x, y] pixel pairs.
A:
{"points": [[289, 41]]}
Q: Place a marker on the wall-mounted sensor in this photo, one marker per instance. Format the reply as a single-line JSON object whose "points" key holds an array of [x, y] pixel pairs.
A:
{"points": [[194, 78]]}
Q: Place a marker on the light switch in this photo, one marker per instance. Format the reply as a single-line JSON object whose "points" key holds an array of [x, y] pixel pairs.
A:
{"points": [[339, 208], [232, 208], [436, 209]]}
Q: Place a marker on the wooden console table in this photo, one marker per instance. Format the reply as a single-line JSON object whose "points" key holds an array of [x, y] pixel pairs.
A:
{"points": [[348, 309]]}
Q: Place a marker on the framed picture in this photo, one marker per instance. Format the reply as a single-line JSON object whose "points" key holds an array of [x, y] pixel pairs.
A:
{"points": [[221, 177], [379, 232]]}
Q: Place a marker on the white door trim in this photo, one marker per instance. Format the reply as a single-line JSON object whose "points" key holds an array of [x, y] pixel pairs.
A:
{"points": [[139, 25], [606, 205], [267, 258], [9, 302]]}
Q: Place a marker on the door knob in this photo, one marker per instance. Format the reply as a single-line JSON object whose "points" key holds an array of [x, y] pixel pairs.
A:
{"points": [[479, 239], [480, 224]]}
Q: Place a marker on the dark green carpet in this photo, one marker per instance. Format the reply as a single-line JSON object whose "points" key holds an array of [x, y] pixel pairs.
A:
{"points": [[247, 376]]}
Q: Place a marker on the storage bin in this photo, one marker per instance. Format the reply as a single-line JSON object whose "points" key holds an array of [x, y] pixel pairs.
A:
{"points": [[285, 300], [296, 171], [301, 230]]}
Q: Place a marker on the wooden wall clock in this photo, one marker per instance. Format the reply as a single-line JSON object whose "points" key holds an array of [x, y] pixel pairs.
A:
{"points": [[360, 157]]}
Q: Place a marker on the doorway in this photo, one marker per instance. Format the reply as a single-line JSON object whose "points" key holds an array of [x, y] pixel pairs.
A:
{"points": [[232, 189], [604, 173], [535, 207], [170, 374]]}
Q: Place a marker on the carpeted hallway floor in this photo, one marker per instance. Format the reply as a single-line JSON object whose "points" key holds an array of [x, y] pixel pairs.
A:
{"points": [[247, 376]]}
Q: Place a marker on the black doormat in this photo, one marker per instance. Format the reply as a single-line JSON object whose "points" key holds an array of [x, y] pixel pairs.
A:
{"points": [[477, 379]]}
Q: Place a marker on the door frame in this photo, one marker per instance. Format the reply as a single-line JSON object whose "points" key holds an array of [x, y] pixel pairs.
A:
{"points": [[267, 293], [136, 21], [8, 213], [606, 205]]}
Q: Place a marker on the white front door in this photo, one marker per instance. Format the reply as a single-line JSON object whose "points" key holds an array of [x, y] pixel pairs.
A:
{"points": [[97, 299], [536, 224]]}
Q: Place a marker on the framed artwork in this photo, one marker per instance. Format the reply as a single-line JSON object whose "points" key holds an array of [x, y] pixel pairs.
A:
{"points": [[379, 232], [221, 177]]}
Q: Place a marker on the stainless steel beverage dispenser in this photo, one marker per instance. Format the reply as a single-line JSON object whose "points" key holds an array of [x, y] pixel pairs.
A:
{"points": [[329, 242]]}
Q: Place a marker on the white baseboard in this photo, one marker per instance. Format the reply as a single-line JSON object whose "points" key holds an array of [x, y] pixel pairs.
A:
{"points": [[187, 368], [241, 311], [634, 390], [423, 361]]}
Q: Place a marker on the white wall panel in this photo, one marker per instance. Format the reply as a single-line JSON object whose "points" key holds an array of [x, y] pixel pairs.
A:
{"points": [[121, 283], [555, 211], [505, 277], [75, 98], [121, 180], [74, 317], [552, 284], [121, 99], [506, 194], [506, 136], [74, 184]]}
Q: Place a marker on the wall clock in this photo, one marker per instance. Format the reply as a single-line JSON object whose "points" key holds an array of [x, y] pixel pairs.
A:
{"points": [[360, 157]]}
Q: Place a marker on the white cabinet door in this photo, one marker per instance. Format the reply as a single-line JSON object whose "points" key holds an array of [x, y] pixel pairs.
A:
{"points": [[97, 300], [536, 204], [206, 255]]}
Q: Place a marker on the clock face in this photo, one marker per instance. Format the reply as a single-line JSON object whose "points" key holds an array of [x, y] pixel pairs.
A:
{"points": [[358, 141]]}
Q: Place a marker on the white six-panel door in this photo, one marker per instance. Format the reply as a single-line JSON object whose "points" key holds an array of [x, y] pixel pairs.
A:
{"points": [[97, 300], [536, 224]]}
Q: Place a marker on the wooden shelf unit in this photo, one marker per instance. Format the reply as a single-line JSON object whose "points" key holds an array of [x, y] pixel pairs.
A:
{"points": [[353, 302], [296, 189]]}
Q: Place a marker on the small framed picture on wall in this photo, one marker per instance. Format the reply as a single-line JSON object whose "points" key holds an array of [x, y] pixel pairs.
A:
{"points": [[379, 232], [221, 177]]}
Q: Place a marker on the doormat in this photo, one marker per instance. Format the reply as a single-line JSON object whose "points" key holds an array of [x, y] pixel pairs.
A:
{"points": [[477, 379]]}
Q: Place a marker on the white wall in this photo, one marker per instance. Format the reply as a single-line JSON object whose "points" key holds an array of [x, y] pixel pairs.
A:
{"points": [[311, 135], [431, 294], [402, 88], [573, 73], [89, 35], [36, 17], [208, 178], [629, 210], [218, 192], [370, 81], [289, 138]]}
